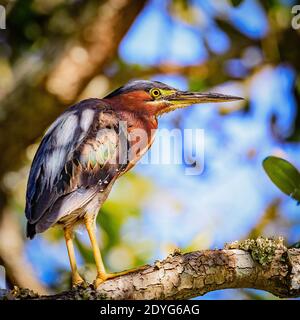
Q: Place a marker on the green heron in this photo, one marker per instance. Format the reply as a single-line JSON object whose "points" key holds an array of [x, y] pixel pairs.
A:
{"points": [[87, 148]]}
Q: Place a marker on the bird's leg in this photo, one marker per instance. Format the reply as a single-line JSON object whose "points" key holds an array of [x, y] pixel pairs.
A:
{"points": [[76, 278], [101, 273]]}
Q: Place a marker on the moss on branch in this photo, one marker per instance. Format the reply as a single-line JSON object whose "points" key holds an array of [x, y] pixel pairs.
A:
{"points": [[262, 250]]}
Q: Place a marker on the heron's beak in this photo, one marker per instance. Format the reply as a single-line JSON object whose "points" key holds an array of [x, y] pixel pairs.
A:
{"points": [[185, 98], [182, 99]]}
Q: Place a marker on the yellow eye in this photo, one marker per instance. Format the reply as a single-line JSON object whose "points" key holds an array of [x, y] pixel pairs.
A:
{"points": [[155, 93]]}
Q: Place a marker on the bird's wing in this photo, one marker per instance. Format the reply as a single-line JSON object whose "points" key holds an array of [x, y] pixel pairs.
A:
{"points": [[79, 151]]}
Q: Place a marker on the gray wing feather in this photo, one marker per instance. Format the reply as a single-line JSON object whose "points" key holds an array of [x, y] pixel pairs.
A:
{"points": [[68, 158], [47, 166]]}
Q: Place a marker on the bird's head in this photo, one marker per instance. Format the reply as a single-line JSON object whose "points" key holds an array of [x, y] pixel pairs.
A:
{"points": [[156, 98]]}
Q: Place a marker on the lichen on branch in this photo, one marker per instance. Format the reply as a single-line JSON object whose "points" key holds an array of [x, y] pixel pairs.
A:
{"points": [[261, 249]]}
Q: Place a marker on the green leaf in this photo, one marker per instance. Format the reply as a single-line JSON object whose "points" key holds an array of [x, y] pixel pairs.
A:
{"points": [[284, 175]]}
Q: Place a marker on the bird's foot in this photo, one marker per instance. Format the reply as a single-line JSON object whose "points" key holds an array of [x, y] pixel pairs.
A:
{"points": [[98, 281], [103, 277], [106, 276], [77, 280]]}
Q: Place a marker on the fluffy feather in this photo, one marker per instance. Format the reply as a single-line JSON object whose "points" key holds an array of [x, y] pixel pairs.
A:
{"points": [[76, 156]]}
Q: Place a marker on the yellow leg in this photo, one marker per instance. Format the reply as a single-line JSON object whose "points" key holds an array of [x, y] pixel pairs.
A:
{"points": [[101, 273], [76, 278]]}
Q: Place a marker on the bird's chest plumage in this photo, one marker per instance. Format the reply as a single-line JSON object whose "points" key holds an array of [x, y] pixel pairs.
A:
{"points": [[141, 132], [140, 137]]}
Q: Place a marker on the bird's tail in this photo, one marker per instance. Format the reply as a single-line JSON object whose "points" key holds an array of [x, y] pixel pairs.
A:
{"points": [[30, 230]]}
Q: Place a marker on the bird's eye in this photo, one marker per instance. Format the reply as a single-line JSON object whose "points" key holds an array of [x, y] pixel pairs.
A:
{"points": [[155, 93]]}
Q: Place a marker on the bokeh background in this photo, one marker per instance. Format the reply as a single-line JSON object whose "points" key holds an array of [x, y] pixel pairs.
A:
{"points": [[54, 53]]}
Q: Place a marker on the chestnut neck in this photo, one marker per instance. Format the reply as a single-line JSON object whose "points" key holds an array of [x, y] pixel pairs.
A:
{"points": [[133, 108]]}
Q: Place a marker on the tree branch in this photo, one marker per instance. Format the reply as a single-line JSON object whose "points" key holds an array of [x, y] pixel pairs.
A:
{"points": [[98, 43], [263, 264]]}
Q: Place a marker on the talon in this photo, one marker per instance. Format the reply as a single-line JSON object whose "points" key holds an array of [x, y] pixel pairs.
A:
{"points": [[103, 277], [99, 281], [77, 281]]}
